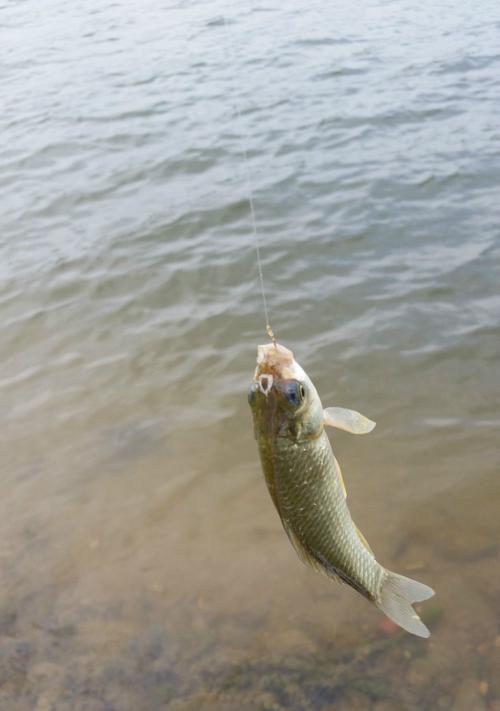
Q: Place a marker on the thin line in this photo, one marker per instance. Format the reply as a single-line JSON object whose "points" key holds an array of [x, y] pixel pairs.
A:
{"points": [[243, 137]]}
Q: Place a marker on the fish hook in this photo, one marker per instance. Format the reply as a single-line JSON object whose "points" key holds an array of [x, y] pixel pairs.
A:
{"points": [[271, 335]]}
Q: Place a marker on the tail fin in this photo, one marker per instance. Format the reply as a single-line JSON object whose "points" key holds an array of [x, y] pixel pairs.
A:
{"points": [[396, 597]]}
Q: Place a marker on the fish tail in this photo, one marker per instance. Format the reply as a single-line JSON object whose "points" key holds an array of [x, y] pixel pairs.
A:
{"points": [[396, 598]]}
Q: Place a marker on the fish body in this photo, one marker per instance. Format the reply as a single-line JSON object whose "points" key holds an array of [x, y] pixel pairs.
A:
{"points": [[307, 489]]}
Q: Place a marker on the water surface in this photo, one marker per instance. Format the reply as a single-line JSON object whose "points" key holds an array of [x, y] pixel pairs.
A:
{"points": [[142, 563]]}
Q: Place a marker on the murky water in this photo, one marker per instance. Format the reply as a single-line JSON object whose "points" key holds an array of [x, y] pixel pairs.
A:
{"points": [[142, 563]]}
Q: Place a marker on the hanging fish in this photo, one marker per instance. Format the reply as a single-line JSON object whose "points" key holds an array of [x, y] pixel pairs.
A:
{"points": [[306, 486]]}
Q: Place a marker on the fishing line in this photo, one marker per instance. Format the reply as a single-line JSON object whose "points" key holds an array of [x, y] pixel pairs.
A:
{"points": [[250, 193]]}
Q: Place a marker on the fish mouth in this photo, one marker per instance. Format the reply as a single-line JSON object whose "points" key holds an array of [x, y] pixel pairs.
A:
{"points": [[274, 362], [265, 383]]}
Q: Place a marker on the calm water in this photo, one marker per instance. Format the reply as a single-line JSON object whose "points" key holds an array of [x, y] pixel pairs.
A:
{"points": [[142, 564]]}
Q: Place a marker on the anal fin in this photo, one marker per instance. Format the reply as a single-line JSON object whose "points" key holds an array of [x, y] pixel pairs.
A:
{"points": [[305, 556]]}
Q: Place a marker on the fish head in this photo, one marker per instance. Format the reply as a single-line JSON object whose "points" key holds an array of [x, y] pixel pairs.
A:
{"points": [[282, 397]]}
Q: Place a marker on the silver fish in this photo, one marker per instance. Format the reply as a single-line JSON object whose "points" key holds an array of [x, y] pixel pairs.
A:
{"points": [[306, 486]]}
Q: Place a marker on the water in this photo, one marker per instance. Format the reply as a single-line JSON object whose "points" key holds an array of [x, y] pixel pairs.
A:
{"points": [[142, 564]]}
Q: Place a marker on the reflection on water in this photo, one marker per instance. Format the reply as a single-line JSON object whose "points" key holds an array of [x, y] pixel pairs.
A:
{"points": [[142, 563]]}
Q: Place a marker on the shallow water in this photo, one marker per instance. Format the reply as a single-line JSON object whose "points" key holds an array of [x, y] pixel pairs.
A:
{"points": [[142, 564]]}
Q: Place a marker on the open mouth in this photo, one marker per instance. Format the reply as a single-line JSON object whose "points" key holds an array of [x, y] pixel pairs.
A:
{"points": [[265, 383]]}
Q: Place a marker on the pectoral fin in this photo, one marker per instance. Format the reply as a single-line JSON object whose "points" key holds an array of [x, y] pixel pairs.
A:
{"points": [[348, 420]]}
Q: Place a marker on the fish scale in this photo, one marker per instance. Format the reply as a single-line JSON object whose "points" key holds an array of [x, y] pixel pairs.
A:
{"points": [[311, 503]]}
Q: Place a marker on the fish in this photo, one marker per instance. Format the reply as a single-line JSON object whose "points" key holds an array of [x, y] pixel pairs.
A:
{"points": [[306, 485]]}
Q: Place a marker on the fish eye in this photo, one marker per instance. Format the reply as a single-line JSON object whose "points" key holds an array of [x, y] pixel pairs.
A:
{"points": [[294, 392]]}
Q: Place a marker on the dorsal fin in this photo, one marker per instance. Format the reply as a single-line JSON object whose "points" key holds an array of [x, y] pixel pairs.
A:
{"points": [[363, 540], [342, 483], [341, 478]]}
